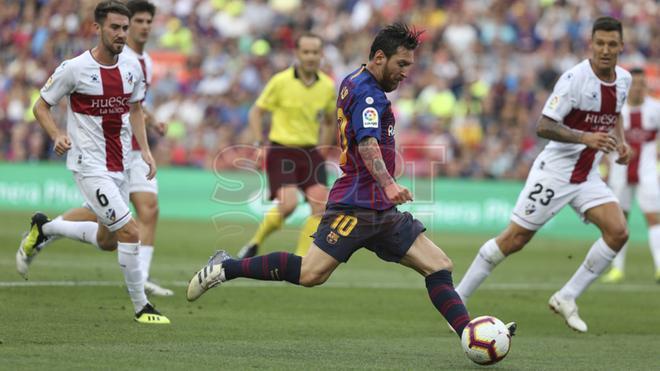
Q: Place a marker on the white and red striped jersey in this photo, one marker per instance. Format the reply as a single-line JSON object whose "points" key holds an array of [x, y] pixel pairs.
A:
{"points": [[581, 101], [641, 124], [147, 66], [98, 110]]}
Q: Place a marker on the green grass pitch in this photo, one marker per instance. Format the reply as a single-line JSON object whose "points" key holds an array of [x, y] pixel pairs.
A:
{"points": [[74, 314]]}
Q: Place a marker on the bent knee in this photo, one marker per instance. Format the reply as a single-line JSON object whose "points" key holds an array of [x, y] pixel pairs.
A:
{"points": [[447, 264], [439, 264], [287, 208], [309, 279], [617, 237], [150, 212], [129, 232], [108, 245]]}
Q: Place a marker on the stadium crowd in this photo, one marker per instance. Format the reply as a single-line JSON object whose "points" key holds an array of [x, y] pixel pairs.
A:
{"points": [[470, 106]]}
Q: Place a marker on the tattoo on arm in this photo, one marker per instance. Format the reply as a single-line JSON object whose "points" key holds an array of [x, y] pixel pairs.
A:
{"points": [[373, 160], [553, 130]]}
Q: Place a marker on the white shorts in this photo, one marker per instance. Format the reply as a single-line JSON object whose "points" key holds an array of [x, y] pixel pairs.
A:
{"points": [[107, 196], [137, 176], [648, 196], [545, 194]]}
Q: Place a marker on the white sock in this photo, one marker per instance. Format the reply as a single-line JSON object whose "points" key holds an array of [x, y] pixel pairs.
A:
{"points": [[487, 259], [79, 231], [619, 261], [130, 265], [146, 253], [598, 259], [51, 238], [654, 242]]}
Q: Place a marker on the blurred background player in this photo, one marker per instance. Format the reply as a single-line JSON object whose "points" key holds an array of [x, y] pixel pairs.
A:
{"points": [[299, 98], [361, 210], [105, 89], [641, 120], [578, 118], [143, 191]]}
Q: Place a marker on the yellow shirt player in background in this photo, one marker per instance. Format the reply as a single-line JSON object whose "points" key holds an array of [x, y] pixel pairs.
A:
{"points": [[301, 100]]}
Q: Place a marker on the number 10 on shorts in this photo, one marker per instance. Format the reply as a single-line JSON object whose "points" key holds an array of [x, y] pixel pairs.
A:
{"points": [[344, 224]]}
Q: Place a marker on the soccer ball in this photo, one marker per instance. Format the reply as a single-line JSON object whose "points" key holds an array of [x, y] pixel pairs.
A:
{"points": [[486, 340]]}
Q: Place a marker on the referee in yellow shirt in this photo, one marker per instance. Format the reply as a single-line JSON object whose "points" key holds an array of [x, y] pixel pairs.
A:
{"points": [[301, 100]]}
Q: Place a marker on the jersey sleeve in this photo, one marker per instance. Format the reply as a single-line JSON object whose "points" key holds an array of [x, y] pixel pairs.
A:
{"points": [[563, 98], [268, 98], [139, 87], [62, 82], [366, 117]]}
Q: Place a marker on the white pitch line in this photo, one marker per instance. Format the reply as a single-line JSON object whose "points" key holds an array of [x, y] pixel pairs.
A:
{"points": [[348, 285]]}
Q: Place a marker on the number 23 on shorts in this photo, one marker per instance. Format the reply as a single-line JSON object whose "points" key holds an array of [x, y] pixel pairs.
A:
{"points": [[545, 198], [344, 224]]}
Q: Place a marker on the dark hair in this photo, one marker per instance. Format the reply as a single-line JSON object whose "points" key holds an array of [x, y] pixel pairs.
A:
{"points": [[607, 24], [390, 38], [139, 6], [637, 71], [307, 34], [111, 6]]}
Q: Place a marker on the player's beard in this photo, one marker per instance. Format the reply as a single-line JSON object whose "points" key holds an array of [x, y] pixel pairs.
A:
{"points": [[388, 83], [112, 47]]}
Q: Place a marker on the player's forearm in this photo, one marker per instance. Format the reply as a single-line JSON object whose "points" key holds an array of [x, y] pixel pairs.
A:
{"points": [[553, 130], [148, 117], [619, 131], [136, 118], [328, 134], [45, 119], [373, 160], [254, 122]]}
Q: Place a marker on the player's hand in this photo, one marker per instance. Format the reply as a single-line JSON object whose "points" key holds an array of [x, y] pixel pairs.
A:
{"points": [[62, 144], [600, 141], [625, 154], [146, 156], [397, 194], [160, 127]]}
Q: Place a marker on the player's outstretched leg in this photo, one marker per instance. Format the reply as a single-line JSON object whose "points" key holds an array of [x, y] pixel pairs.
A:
{"points": [[429, 260], [277, 266], [445, 299], [30, 243]]}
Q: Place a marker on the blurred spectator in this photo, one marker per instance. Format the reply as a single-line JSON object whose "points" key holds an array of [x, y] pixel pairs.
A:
{"points": [[481, 75]]}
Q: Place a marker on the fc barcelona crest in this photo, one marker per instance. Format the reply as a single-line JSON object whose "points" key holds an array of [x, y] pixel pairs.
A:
{"points": [[332, 238]]}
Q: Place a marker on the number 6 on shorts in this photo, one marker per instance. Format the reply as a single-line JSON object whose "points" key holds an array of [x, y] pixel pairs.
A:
{"points": [[101, 197]]}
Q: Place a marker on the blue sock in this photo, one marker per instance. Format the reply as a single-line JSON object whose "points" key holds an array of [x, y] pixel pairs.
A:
{"points": [[277, 266], [441, 291]]}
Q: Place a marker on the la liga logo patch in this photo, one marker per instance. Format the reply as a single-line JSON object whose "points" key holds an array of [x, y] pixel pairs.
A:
{"points": [[370, 118]]}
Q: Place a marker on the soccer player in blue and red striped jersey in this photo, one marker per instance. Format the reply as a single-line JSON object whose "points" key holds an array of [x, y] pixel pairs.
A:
{"points": [[361, 210]]}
